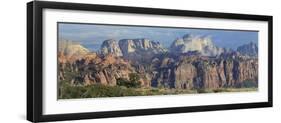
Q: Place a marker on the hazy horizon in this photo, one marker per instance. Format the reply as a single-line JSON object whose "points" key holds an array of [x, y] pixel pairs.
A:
{"points": [[92, 35]]}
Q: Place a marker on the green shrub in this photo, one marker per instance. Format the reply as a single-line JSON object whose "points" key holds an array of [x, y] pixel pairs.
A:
{"points": [[122, 82], [220, 90], [201, 91], [133, 82]]}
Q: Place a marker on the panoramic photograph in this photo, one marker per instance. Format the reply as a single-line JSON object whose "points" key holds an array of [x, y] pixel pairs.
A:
{"points": [[105, 60]]}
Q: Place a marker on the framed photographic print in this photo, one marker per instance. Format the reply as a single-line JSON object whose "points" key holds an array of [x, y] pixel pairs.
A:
{"points": [[96, 61]]}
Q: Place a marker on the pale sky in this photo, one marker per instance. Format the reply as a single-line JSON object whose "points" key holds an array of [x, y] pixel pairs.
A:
{"points": [[92, 35]]}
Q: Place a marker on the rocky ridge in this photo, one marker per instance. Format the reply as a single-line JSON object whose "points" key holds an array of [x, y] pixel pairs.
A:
{"points": [[249, 49], [183, 67], [111, 46]]}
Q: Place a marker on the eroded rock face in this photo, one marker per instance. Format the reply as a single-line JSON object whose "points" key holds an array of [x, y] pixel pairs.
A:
{"points": [[156, 67], [221, 74], [134, 46], [246, 70], [111, 46], [104, 72], [69, 52], [208, 73], [72, 50], [185, 73]]}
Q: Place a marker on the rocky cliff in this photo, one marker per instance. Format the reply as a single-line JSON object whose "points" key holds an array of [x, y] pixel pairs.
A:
{"points": [[203, 72], [190, 64], [111, 46], [72, 49], [140, 50], [139, 45]]}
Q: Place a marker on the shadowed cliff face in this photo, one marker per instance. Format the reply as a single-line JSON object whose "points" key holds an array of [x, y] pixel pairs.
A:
{"points": [[202, 72]]}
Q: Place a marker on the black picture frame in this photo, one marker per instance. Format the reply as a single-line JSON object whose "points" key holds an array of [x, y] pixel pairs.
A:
{"points": [[35, 69]]}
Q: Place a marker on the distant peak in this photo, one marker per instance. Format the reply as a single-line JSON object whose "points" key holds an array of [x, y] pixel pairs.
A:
{"points": [[250, 49], [111, 46]]}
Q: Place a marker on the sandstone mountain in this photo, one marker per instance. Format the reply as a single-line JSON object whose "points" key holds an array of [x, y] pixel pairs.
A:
{"points": [[111, 46], [96, 69], [188, 65], [72, 49], [132, 49], [140, 49], [191, 42], [139, 45]]}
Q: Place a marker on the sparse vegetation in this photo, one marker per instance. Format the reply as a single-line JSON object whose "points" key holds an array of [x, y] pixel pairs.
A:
{"points": [[97, 90], [249, 84]]}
